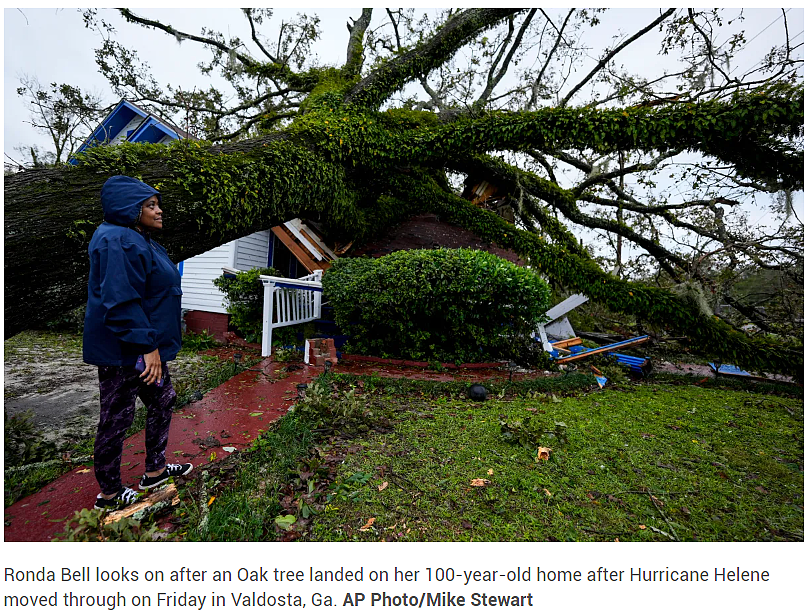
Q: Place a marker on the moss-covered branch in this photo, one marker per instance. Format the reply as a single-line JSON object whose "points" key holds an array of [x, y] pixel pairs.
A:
{"points": [[748, 133], [393, 75], [208, 198], [708, 335], [516, 180]]}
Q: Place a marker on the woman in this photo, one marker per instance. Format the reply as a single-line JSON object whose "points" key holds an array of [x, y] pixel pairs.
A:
{"points": [[131, 329]]}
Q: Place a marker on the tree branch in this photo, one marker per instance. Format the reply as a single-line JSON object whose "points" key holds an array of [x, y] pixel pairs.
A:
{"points": [[609, 56], [493, 79], [459, 29], [151, 23], [354, 53], [249, 14], [560, 32]]}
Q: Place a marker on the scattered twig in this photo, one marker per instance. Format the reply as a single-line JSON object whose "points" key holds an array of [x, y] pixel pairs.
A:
{"points": [[169, 492], [660, 511], [788, 409], [662, 532], [204, 511], [26, 467]]}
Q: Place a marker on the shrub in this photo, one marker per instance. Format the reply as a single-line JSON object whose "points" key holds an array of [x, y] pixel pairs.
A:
{"points": [[245, 299], [22, 442], [447, 305], [194, 343]]}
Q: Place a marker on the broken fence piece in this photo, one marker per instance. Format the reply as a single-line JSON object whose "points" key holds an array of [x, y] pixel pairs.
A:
{"points": [[604, 349]]}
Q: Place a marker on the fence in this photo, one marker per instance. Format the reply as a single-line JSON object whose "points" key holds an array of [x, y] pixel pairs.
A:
{"points": [[289, 301]]}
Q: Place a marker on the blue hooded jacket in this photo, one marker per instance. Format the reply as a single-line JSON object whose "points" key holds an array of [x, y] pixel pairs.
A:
{"points": [[133, 295]]}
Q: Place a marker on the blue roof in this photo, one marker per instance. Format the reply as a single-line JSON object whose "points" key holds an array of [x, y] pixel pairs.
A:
{"points": [[150, 129]]}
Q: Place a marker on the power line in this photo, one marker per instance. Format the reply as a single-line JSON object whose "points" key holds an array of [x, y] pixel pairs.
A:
{"points": [[761, 61], [767, 27]]}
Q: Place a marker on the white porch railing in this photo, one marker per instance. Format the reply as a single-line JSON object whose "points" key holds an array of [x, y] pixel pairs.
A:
{"points": [[289, 301]]}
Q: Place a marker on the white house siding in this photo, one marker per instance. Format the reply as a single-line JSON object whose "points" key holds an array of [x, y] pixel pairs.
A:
{"points": [[251, 251], [121, 137], [199, 293]]}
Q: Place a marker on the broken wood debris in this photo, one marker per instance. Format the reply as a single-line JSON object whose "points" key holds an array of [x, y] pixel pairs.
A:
{"points": [[169, 492], [610, 347]]}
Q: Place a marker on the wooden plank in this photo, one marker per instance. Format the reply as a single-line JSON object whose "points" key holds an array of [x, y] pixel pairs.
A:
{"points": [[315, 238], [563, 344], [293, 226], [610, 347], [169, 492], [296, 249]]}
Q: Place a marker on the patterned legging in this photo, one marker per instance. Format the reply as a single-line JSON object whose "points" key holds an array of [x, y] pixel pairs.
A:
{"points": [[119, 386]]}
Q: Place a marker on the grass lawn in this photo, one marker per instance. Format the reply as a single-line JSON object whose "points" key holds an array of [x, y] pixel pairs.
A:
{"points": [[652, 462]]}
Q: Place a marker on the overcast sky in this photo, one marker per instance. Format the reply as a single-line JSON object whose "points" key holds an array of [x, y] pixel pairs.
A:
{"points": [[54, 46]]}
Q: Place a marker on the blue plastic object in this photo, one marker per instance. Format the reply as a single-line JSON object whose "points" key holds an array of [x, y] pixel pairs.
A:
{"points": [[641, 366], [601, 380], [729, 369]]}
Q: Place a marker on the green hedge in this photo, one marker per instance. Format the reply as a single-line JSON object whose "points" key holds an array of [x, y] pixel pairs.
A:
{"points": [[245, 300], [436, 305]]}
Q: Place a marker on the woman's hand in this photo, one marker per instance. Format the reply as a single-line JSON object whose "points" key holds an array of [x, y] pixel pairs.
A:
{"points": [[154, 369]]}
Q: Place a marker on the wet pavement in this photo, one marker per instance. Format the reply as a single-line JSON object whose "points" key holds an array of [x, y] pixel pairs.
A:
{"points": [[231, 415]]}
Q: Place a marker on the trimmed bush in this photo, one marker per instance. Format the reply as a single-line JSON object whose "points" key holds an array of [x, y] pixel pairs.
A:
{"points": [[445, 305], [245, 299]]}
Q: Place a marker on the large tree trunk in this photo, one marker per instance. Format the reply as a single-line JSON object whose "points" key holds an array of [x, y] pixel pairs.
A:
{"points": [[50, 216]]}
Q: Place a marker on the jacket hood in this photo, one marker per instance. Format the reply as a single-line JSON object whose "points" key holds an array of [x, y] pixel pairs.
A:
{"points": [[121, 198]]}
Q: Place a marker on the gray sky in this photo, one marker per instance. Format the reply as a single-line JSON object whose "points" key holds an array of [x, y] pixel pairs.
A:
{"points": [[54, 46]]}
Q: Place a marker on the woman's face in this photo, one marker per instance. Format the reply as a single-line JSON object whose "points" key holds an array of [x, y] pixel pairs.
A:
{"points": [[151, 216]]}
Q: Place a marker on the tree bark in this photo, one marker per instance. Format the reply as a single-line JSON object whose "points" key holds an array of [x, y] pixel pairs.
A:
{"points": [[51, 214]]}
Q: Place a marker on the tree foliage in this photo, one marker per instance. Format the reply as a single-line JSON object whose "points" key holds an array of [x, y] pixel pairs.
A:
{"points": [[244, 294], [436, 305], [664, 166], [63, 113]]}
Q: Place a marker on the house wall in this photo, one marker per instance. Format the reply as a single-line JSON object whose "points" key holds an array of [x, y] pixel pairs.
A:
{"points": [[427, 231], [199, 293], [121, 137], [198, 321], [252, 251], [204, 302]]}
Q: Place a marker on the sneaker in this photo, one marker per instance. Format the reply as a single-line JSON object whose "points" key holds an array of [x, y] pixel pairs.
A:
{"points": [[124, 498], [171, 470]]}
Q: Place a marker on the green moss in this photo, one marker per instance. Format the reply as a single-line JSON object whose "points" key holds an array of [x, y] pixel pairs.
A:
{"points": [[359, 172]]}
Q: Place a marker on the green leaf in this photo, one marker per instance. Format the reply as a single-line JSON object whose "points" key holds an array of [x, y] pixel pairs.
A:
{"points": [[285, 522]]}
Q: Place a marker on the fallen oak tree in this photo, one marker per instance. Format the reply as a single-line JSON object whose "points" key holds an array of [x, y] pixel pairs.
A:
{"points": [[359, 170]]}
